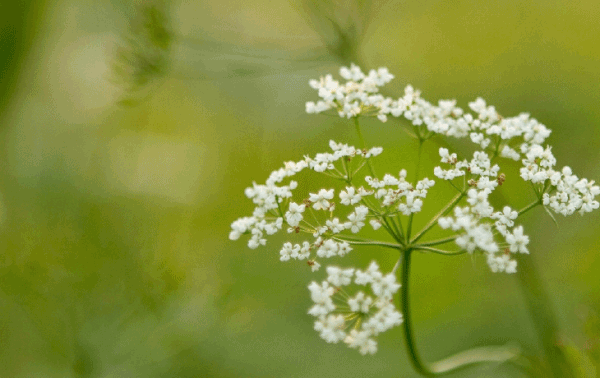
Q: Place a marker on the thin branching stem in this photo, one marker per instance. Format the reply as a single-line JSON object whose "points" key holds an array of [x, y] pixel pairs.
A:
{"points": [[416, 179], [437, 242], [529, 207], [363, 146], [442, 212], [438, 251], [369, 242]]}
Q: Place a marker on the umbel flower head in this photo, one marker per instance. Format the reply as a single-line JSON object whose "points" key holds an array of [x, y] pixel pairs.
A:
{"points": [[327, 222]]}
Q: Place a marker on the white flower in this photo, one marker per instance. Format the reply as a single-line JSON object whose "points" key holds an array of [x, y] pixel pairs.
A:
{"points": [[349, 196], [360, 303], [294, 215], [314, 265], [339, 277], [502, 263], [329, 248], [289, 251], [321, 296], [385, 286], [304, 252], [412, 205], [334, 225], [320, 200], [331, 328], [375, 224], [356, 219], [343, 248], [517, 241], [506, 217], [361, 341]]}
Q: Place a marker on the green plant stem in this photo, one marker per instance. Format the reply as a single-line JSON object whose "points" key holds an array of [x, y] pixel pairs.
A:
{"points": [[438, 251], [455, 362], [417, 169], [398, 228], [368, 242], [437, 242], [363, 146], [529, 207], [415, 359], [442, 212]]}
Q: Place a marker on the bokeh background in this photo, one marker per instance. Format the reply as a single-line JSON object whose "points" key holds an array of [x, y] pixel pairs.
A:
{"points": [[129, 130]]}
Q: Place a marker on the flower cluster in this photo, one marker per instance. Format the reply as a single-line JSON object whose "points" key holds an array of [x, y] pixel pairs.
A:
{"points": [[474, 224], [332, 216], [357, 96], [276, 209], [270, 198], [561, 190], [516, 138], [355, 320]]}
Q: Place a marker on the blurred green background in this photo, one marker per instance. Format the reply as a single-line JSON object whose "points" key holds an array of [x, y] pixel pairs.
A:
{"points": [[130, 129]]}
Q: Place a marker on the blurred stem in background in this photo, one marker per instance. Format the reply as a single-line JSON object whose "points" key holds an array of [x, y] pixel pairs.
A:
{"points": [[541, 311], [15, 41]]}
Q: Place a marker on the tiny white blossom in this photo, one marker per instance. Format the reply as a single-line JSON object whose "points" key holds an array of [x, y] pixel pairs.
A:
{"points": [[294, 215], [375, 224], [517, 241], [350, 196], [320, 200]]}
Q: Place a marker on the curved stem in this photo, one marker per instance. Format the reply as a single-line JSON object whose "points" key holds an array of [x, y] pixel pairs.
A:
{"points": [[415, 359], [454, 362]]}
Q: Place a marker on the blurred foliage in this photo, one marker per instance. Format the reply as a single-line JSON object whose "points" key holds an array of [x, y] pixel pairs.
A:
{"points": [[114, 257], [143, 56]]}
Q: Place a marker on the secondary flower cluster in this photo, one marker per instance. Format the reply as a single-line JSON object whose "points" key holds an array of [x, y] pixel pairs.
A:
{"points": [[268, 216], [275, 208], [355, 320], [357, 96], [474, 224]]}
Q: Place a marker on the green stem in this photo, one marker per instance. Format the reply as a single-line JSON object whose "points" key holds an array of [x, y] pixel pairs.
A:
{"points": [[437, 242], [363, 146], [398, 228], [391, 231], [368, 242], [455, 362], [418, 161], [442, 212], [417, 169], [529, 207], [438, 251], [415, 359]]}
